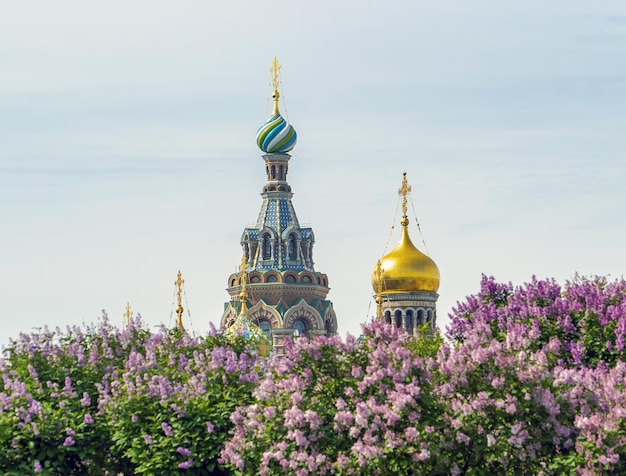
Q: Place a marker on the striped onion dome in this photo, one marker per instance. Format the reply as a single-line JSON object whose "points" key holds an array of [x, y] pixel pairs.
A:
{"points": [[276, 136]]}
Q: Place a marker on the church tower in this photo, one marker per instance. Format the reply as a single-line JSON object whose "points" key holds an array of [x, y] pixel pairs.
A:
{"points": [[286, 296], [405, 280]]}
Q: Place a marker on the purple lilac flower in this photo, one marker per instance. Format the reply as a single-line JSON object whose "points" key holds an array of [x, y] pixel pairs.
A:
{"points": [[167, 429], [85, 401], [183, 451]]}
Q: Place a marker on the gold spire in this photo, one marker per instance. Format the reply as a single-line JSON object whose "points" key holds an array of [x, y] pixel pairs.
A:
{"points": [[404, 191], [243, 295], [378, 274], [179, 309], [275, 70], [128, 314]]}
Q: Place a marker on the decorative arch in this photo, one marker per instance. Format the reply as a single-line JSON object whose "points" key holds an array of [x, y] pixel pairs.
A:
{"points": [[303, 311], [264, 312], [272, 277], [290, 277], [307, 277], [291, 230], [330, 321], [229, 317]]}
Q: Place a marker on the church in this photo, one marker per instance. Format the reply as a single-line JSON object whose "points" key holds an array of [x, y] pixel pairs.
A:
{"points": [[279, 291]]}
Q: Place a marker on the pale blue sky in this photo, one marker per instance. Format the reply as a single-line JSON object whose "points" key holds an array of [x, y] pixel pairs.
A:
{"points": [[127, 145]]}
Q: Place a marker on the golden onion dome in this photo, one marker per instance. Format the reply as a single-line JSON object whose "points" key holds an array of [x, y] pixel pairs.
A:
{"points": [[405, 269]]}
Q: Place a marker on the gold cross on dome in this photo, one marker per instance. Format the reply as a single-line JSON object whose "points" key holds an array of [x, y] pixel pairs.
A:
{"points": [[404, 192], [275, 70]]}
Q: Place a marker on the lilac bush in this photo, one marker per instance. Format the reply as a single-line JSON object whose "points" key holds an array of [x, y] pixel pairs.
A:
{"points": [[171, 402], [532, 381], [102, 400], [577, 332], [353, 407], [49, 417]]}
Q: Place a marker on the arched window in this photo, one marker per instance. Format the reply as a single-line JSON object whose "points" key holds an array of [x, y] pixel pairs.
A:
{"points": [[273, 172], [398, 316], [301, 327], [292, 246], [267, 246], [387, 317], [280, 173], [329, 327], [409, 321], [266, 326], [429, 315], [420, 317]]}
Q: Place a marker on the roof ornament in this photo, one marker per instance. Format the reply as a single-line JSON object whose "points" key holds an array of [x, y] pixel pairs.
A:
{"points": [[275, 70], [179, 309], [243, 295], [378, 274], [128, 315], [404, 191]]}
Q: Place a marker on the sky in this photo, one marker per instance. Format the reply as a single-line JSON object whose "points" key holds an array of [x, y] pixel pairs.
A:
{"points": [[127, 146]]}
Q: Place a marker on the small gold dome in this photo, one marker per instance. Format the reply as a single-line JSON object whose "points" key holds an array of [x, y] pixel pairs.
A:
{"points": [[405, 269]]}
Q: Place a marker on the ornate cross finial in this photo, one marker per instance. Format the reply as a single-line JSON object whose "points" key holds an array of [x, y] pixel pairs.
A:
{"points": [[275, 70], [179, 309], [128, 314], [404, 192], [378, 272], [243, 296]]}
